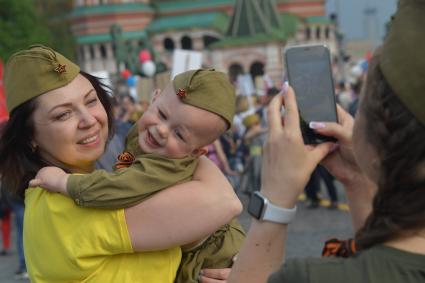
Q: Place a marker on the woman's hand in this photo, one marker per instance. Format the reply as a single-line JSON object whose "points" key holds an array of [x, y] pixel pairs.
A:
{"points": [[215, 275], [341, 163], [209, 275], [287, 162]]}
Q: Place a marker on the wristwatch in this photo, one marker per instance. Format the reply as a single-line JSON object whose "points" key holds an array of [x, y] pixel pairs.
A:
{"points": [[262, 209]]}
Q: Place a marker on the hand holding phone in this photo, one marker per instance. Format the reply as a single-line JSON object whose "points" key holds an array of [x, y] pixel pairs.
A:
{"points": [[309, 73]]}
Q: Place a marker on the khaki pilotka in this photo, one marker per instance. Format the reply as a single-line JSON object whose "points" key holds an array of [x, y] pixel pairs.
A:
{"points": [[402, 57], [53, 69]]}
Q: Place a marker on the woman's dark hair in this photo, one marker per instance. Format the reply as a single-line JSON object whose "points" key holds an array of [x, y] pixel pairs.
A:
{"points": [[19, 162], [399, 140]]}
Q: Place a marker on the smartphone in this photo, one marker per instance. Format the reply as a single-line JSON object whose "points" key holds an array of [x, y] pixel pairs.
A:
{"points": [[308, 68]]}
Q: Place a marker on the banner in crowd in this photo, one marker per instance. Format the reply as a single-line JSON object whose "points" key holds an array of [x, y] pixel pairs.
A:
{"points": [[184, 60]]}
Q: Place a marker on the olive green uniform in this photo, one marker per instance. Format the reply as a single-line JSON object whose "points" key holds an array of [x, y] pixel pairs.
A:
{"points": [[380, 264], [149, 174]]}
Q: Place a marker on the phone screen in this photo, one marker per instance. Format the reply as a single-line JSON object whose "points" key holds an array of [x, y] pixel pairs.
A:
{"points": [[309, 74]]}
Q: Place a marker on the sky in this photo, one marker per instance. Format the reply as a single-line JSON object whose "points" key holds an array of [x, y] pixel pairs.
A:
{"points": [[355, 24]]}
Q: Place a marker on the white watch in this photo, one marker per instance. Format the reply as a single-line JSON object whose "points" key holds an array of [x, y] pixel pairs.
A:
{"points": [[262, 209]]}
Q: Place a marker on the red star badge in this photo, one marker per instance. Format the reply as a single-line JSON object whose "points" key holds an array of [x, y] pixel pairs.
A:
{"points": [[181, 93], [60, 69]]}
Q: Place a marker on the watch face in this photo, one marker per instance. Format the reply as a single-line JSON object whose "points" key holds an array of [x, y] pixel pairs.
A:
{"points": [[255, 206]]}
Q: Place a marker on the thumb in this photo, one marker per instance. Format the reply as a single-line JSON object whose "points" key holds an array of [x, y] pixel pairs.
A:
{"points": [[321, 150], [35, 182]]}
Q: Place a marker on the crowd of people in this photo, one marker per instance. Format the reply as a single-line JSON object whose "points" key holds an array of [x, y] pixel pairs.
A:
{"points": [[237, 152], [164, 212]]}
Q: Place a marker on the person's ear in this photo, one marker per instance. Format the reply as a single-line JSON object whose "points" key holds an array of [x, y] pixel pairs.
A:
{"points": [[200, 151], [156, 93]]}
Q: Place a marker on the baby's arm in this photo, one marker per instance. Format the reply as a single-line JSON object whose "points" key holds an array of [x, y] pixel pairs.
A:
{"points": [[52, 179], [129, 186]]}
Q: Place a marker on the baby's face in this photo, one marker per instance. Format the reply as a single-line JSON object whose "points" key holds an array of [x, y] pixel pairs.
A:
{"points": [[174, 129]]}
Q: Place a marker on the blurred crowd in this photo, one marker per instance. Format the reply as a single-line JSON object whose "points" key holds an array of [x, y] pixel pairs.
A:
{"points": [[238, 152]]}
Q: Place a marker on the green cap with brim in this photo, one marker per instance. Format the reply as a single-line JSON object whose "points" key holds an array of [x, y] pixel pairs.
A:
{"points": [[209, 90], [251, 120], [34, 71], [403, 57]]}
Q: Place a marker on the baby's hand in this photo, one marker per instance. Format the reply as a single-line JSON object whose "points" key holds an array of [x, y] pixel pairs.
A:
{"points": [[51, 178]]}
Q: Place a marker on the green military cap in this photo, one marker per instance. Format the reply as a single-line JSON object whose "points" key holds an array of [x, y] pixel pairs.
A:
{"points": [[209, 90], [403, 56], [34, 71], [251, 120]]}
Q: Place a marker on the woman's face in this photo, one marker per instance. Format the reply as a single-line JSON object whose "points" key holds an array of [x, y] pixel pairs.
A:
{"points": [[71, 126], [364, 152]]}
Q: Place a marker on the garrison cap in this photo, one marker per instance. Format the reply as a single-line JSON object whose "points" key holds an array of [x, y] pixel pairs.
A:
{"points": [[251, 120], [209, 90], [403, 57], [34, 71]]}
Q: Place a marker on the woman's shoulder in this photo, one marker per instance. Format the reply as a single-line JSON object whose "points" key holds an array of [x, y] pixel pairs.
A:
{"points": [[37, 194], [378, 264], [60, 217], [308, 270], [55, 206]]}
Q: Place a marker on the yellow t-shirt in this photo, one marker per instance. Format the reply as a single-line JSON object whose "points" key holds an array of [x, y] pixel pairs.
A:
{"points": [[66, 243]]}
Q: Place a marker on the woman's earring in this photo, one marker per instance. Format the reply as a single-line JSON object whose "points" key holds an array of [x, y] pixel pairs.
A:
{"points": [[33, 147]]}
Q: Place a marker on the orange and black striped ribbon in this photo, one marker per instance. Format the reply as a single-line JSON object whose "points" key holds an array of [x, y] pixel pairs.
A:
{"points": [[125, 160], [339, 248]]}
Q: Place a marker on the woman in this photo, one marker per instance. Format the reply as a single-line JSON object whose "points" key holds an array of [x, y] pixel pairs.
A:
{"points": [[61, 116], [381, 163]]}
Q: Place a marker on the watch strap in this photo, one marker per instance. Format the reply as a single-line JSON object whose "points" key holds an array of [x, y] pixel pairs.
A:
{"points": [[274, 213]]}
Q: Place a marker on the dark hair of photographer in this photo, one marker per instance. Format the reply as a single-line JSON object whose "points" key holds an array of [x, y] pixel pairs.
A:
{"points": [[398, 139], [19, 160]]}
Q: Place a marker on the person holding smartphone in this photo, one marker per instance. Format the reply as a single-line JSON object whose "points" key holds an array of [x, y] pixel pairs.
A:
{"points": [[380, 159]]}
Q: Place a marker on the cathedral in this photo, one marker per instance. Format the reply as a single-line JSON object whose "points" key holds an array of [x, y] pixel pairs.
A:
{"points": [[234, 36]]}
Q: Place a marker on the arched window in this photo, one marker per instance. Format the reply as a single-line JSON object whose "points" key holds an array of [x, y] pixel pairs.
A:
{"points": [[103, 53], [307, 33], [186, 42], [318, 32], [92, 54], [327, 32], [207, 39], [168, 44]]}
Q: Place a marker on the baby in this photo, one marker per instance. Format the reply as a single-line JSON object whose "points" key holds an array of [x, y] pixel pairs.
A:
{"points": [[189, 114]]}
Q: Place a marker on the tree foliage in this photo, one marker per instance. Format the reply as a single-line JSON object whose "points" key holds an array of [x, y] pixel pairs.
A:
{"points": [[20, 26], [27, 22], [55, 14]]}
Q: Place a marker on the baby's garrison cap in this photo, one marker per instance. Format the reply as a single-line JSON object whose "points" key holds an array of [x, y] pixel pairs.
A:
{"points": [[403, 56], [34, 71], [209, 90]]}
